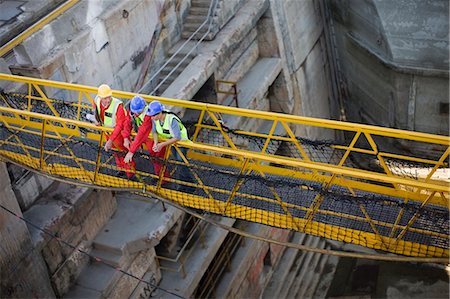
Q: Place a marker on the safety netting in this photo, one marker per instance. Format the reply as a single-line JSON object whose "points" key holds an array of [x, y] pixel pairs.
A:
{"points": [[215, 180]]}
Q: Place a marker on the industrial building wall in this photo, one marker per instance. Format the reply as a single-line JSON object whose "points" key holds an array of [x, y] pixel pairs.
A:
{"points": [[300, 32], [23, 272], [99, 42], [394, 57]]}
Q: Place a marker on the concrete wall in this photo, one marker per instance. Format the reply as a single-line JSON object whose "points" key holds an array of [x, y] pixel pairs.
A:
{"points": [[394, 55], [258, 266], [76, 215], [299, 30], [100, 42], [23, 271]]}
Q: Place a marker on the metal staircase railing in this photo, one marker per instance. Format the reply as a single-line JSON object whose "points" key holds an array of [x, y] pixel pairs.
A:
{"points": [[208, 21]]}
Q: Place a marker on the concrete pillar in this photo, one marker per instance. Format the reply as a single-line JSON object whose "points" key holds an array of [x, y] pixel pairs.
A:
{"points": [[23, 271]]}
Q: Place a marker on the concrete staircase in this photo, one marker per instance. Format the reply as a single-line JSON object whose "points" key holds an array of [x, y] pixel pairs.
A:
{"points": [[198, 13], [75, 214], [176, 65], [302, 274], [127, 243]]}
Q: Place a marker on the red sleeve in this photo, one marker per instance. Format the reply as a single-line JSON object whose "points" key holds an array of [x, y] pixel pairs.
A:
{"points": [[142, 135], [126, 131], [102, 113], [120, 119]]}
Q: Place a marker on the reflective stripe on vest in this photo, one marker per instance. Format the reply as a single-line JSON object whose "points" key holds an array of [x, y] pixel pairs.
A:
{"points": [[109, 119], [165, 131]]}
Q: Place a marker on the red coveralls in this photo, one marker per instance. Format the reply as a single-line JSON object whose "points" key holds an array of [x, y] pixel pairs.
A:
{"points": [[142, 138], [117, 137]]}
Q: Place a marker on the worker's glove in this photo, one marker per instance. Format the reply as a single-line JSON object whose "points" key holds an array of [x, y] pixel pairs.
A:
{"points": [[108, 145], [91, 118], [128, 157]]}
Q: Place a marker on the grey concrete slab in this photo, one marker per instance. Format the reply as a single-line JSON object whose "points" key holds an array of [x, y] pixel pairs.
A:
{"points": [[253, 86], [97, 277], [136, 225], [257, 80], [29, 187], [52, 205], [111, 258]]}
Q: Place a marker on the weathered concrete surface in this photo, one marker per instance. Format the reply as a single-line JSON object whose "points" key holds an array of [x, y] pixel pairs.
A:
{"points": [[22, 268], [211, 54], [136, 225], [97, 42], [253, 263], [395, 60], [29, 187], [252, 95], [102, 281], [417, 33], [372, 279], [75, 214], [281, 272], [299, 29], [126, 242], [196, 264]]}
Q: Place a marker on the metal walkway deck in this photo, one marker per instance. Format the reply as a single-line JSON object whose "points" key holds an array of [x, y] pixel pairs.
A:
{"points": [[360, 190]]}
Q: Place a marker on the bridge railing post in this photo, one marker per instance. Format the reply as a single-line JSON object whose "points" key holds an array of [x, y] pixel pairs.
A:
{"points": [[99, 154], [42, 148]]}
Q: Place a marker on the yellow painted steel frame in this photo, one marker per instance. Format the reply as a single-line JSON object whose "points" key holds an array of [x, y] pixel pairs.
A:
{"points": [[426, 190], [50, 127], [328, 173]]}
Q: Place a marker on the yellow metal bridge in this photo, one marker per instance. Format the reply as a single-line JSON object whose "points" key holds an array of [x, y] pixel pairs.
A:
{"points": [[373, 186]]}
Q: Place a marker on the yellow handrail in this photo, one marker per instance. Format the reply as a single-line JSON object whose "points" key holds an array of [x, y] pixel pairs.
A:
{"points": [[21, 126]]}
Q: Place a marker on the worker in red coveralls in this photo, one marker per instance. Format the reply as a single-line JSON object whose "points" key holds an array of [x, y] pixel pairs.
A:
{"points": [[109, 112], [140, 122]]}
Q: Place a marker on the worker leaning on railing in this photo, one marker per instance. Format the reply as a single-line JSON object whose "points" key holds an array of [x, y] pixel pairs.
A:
{"points": [[168, 126], [137, 119], [109, 112]]}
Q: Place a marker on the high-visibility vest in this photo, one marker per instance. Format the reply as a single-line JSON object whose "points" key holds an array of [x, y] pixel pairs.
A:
{"points": [[165, 131], [109, 119]]}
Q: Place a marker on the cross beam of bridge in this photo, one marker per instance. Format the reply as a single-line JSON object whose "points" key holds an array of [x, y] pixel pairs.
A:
{"points": [[356, 185]]}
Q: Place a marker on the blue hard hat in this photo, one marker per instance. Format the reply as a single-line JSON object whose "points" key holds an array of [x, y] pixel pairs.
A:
{"points": [[137, 104], [154, 108]]}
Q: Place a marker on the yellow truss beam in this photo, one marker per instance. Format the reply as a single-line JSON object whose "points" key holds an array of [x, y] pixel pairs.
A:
{"points": [[232, 154]]}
